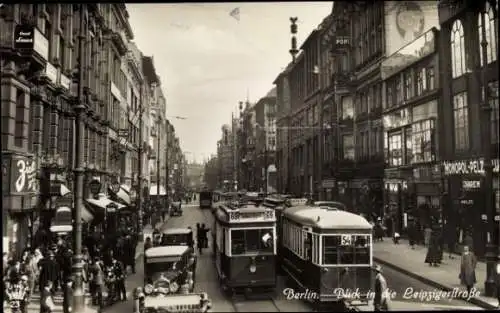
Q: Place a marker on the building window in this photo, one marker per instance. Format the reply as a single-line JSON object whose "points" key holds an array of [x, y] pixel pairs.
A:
{"points": [[429, 78], [420, 82], [458, 66], [348, 145], [20, 123], [377, 96], [408, 146], [395, 149], [399, 91], [493, 100], [347, 108], [408, 86], [423, 141], [461, 121], [490, 31], [390, 95]]}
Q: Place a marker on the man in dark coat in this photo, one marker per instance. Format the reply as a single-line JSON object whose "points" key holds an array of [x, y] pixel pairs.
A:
{"points": [[49, 271], [119, 271], [129, 253]]}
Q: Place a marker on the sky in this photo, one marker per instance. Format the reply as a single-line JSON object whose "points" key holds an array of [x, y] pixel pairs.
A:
{"points": [[208, 60]]}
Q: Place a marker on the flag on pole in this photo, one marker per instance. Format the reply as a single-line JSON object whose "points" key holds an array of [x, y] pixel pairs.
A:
{"points": [[235, 13]]}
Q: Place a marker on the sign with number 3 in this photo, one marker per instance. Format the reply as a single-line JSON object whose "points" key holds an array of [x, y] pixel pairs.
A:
{"points": [[346, 240]]}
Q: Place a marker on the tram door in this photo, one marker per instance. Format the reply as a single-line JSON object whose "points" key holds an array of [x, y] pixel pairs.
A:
{"points": [[224, 253], [308, 265]]}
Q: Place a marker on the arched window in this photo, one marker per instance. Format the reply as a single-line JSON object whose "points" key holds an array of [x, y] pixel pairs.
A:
{"points": [[490, 31], [458, 66]]}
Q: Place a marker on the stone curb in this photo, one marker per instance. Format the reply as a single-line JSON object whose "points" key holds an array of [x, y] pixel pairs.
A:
{"points": [[476, 301]]}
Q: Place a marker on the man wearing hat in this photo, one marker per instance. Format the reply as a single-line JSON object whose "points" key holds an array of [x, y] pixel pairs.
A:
{"points": [[380, 300], [49, 271]]}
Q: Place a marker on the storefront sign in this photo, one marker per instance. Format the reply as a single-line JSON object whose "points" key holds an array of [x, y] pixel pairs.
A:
{"points": [[24, 37], [30, 38], [471, 184], [51, 72], [467, 167], [95, 186], [23, 175], [65, 82], [328, 183]]}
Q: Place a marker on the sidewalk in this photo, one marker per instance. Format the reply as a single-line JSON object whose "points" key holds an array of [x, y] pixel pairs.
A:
{"points": [[445, 277]]}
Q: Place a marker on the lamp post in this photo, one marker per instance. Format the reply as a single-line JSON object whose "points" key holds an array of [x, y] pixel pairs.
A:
{"points": [[158, 123], [79, 108], [489, 284], [139, 184]]}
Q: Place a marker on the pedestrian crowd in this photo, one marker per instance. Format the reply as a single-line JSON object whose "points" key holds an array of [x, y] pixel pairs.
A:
{"points": [[46, 268]]}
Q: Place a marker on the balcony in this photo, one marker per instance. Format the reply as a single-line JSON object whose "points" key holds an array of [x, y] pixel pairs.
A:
{"points": [[120, 41]]}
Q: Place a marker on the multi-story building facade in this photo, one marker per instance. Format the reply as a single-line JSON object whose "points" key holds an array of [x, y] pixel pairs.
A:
{"points": [[211, 173], [225, 151], [265, 146], [412, 183], [463, 125], [38, 96], [282, 131]]}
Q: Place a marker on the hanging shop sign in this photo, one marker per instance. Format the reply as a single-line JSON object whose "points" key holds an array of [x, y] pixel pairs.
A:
{"points": [[471, 184], [467, 167], [23, 175], [29, 38]]}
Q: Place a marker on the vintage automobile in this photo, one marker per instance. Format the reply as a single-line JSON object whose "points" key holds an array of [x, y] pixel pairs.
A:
{"points": [[176, 208], [175, 237], [169, 280]]}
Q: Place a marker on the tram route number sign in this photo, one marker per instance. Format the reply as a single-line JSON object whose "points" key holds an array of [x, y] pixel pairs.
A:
{"points": [[346, 240]]}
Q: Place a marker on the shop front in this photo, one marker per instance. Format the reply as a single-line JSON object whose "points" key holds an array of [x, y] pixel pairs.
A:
{"points": [[20, 189], [398, 209], [429, 191], [467, 188]]}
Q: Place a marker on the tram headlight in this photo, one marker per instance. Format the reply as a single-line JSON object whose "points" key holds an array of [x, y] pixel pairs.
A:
{"points": [[148, 289], [253, 268]]}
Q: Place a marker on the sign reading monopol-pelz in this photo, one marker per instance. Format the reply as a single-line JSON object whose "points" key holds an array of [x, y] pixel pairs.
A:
{"points": [[408, 294]]}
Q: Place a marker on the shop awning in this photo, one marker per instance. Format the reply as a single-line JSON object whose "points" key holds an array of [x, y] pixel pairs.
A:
{"points": [[103, 201], [124, 194], [153, 190]]}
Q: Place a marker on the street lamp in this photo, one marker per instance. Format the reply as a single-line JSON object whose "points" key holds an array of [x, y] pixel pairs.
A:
{"points": [[79, 109]]}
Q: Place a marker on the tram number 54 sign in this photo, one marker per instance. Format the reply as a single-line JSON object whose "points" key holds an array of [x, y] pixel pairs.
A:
{"points": [[346, 240]]}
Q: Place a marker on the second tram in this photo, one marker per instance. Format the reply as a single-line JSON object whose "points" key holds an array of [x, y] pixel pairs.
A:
{"points": [[328, 252], [245, 247]]}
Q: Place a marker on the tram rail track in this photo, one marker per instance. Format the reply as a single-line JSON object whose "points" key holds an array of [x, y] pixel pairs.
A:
{"points": [[242, 298]]}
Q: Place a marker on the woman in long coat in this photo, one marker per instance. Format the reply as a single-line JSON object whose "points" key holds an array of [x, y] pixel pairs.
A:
{"points": [[434, 254], [468, 269]]}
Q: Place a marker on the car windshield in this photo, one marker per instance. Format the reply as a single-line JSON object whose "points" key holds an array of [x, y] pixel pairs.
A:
{"points": [[176, 239]]}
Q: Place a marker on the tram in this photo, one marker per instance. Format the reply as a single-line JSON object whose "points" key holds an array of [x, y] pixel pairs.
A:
{"points": [[278, 203], [245, 247], [327, 252]]}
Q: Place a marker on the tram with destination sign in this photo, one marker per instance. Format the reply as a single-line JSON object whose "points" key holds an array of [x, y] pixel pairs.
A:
{"points": [[245, 247], [327, 252]]}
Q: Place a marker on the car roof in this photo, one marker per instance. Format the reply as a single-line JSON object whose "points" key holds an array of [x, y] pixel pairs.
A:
{"points": [[326, 218], [165, 251], [177, 231]]}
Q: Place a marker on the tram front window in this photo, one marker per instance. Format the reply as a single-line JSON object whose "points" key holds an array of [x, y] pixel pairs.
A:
{"points": [[346, 249], [249, 241]]}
